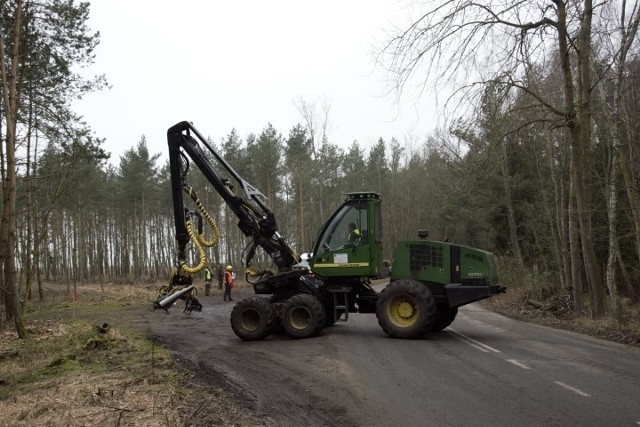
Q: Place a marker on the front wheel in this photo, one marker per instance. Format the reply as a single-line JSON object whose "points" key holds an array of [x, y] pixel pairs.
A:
{"points": [[252, 318], [406, 309], [303, 316]]}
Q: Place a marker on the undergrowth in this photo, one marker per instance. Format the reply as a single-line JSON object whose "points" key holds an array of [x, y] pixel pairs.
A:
{"points": [[536, 295]]}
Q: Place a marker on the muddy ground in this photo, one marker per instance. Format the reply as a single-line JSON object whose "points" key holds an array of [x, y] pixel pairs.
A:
{"points": [[206, 345]]}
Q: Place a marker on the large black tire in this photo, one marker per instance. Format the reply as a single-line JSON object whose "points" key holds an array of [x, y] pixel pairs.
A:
{"points": [[444, 318], [303, 316], [406, 309], [252, 318]]}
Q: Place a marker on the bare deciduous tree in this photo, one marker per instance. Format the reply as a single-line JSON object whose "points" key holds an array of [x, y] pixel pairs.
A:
{"points": [[469, 43]]}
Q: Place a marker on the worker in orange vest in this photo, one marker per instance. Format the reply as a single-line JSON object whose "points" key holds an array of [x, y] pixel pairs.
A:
{"points": [[228, 283]]}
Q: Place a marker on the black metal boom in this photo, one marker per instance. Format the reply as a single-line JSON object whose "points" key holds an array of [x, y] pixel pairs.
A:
{"points": [[255, 219]]}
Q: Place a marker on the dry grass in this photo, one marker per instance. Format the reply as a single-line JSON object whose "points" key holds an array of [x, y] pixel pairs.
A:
{"points": [[70, 373]]}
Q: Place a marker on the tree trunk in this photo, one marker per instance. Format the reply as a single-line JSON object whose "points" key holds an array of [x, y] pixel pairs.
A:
{"points": [[10, 86], [27, 263], [620, 131], [612, 214], [583, 146], [574, 250], [579, 124], [511, 215]]}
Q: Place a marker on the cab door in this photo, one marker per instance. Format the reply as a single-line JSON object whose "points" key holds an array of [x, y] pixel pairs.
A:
{"points": [[336, 254]]}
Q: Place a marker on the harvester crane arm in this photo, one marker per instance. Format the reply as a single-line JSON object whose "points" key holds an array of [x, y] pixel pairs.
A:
{"points": [[255, 219]]}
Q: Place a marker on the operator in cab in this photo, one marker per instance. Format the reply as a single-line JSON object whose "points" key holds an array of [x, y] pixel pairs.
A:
{"points": [[354, 235]]}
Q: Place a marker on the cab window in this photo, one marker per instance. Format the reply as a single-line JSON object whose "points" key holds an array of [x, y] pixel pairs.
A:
{"points": [[337, 233]]}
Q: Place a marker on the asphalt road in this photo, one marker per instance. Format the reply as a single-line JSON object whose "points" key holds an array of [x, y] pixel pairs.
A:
{"points": [[484, 370]]}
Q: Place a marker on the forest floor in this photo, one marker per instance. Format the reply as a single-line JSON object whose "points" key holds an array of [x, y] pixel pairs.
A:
{"points": [[87, 362]]}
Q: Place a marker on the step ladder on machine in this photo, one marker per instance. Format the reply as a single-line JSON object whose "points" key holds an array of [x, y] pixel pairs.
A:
{"points": [[341, 302]]}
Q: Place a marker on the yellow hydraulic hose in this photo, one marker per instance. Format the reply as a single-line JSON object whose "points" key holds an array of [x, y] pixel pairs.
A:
{"points": [[214, 227], [202, 257]]}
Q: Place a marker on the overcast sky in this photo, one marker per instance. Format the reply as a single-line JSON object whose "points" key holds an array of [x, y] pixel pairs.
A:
{"points": [[242, 64]]}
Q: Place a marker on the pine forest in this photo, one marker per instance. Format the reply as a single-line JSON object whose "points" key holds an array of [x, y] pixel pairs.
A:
{"points": [[540, 164]]}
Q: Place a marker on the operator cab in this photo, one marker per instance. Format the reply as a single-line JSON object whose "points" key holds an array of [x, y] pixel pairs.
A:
{"points": [[350, 242]]}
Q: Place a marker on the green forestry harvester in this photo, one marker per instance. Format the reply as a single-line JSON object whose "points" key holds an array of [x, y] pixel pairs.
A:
{"points": [[429, 279]]}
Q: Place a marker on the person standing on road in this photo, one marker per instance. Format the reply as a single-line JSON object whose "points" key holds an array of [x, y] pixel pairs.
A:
{"points": [[220, 274], [228, 283], [207, 280]]}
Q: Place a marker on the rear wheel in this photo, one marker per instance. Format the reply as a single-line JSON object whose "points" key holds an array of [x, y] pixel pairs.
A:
{"points": [[303, 316], [444, 318], [406, 309], [252, 318]]}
